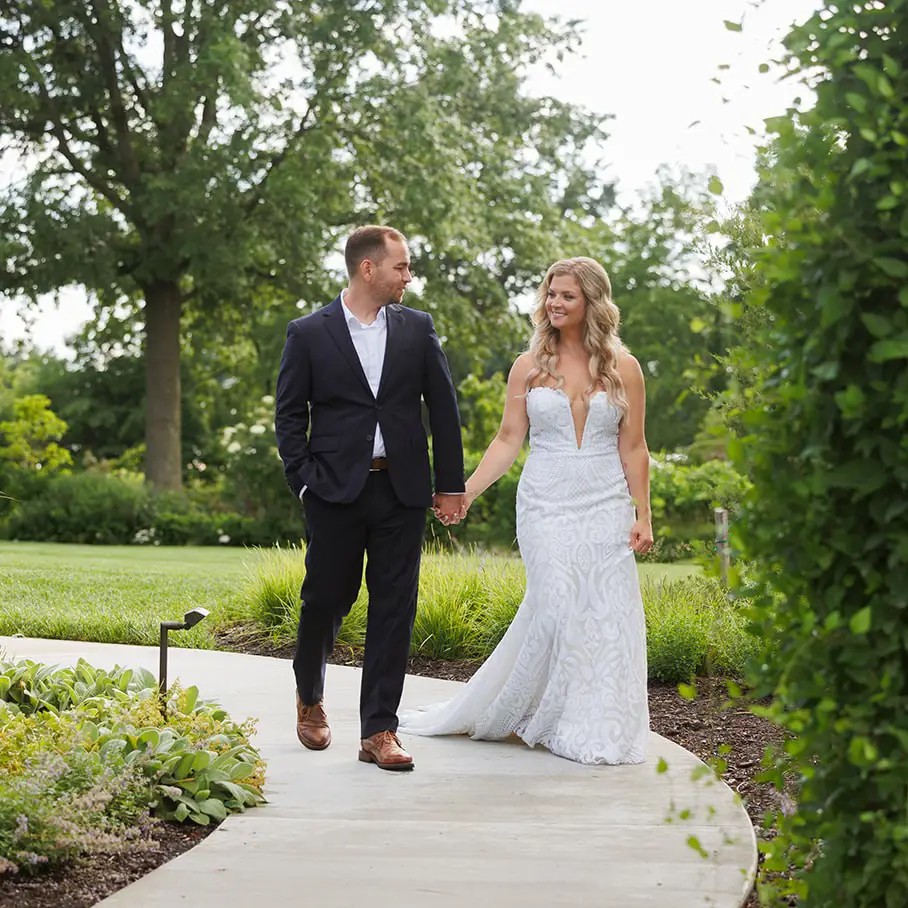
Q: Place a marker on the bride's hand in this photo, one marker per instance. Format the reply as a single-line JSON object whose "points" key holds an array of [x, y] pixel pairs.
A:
{"points": [[468, 499], [641, 540]]}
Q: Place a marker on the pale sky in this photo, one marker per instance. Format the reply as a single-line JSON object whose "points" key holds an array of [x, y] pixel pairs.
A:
{"points": [[649, 63]]}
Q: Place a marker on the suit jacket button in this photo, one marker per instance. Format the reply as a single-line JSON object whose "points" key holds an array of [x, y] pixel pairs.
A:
{"points": [[370, 437]]}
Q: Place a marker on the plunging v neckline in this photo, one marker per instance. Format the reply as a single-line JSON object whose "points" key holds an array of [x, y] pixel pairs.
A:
{"points": [[570, 404]]}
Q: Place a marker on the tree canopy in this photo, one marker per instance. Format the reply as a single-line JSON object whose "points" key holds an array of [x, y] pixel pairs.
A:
{"points": [[203, 159]]}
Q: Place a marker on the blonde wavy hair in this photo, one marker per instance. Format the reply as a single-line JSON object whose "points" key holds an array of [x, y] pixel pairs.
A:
{"points": [[600, 330]]}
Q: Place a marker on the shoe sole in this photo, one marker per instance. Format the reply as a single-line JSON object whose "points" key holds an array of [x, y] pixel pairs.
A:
{"points": [[309, 746], [365, 757]]}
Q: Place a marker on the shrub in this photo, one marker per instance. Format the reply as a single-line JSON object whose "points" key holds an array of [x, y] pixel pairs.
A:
{"points": [[105, 508], [253, 476], [31, 439], [67, 804], [86, 754], [826, 448], [270, 594], [187, 528], [84, 507], [683, 497]]}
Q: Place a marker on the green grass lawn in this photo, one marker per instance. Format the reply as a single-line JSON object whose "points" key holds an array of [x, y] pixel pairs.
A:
{"points": [[119, 594], [114, 594]]}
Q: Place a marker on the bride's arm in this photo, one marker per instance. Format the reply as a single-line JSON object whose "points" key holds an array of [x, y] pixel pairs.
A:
{"points": [[634, 452], [505, 446]]}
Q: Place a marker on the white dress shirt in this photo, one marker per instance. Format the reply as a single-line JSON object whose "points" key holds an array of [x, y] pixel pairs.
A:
{"points": [[370, 342]]}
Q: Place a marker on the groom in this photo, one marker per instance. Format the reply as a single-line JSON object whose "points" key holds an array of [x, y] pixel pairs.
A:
{"points": [[350, 434]]}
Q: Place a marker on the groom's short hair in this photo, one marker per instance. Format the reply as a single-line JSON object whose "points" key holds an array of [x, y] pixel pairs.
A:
{"points": [[368, 242]]}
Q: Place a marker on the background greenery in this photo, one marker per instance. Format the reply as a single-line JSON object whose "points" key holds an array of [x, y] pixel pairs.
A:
{"points": [[823, 419], [120, 594], [201, 203]]}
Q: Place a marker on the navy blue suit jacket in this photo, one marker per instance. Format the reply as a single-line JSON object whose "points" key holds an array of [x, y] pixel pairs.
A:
{"points": [[326, 414]]}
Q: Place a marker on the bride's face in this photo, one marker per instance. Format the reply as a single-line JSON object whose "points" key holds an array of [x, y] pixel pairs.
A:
{"points": [[565, 305]]}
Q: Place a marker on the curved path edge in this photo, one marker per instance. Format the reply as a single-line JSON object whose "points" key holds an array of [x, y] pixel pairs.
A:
{"points": [[476, 823]]}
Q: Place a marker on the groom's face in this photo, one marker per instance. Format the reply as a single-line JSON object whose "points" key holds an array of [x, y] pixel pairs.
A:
{"points": [[391, 274]]}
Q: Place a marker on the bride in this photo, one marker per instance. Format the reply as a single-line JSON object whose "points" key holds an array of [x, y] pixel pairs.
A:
{"points": [[570, 673]]}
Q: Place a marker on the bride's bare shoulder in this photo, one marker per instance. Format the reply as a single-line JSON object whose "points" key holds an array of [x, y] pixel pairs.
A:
{"points": [[628, 366], [520, 374], [522, 367]]}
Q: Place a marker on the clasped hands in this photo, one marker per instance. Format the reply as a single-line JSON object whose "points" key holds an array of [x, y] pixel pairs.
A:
{"points": [[450, 509]]}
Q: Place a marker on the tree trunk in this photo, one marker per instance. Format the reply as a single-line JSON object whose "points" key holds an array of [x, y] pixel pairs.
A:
{"points": [[163, 457]]}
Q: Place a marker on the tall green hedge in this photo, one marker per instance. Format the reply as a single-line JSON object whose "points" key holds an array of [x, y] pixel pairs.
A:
{"points": [[827, 521]]}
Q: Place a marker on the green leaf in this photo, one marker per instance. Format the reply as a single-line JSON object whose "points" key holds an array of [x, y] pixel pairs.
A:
{"points": [[236, 792], [687, 691], [214, 808], [891, 66], [886, 350], [241, 771], [192, 695], [715, 185], [893, 267], [180, 813], [694, 842], [853, 475], [184, 767], [860, 621], [851, 401], [733, 26], [174, 792], [150, 736], [661, 765], [877, 325], [861, 751], [858, 102]]}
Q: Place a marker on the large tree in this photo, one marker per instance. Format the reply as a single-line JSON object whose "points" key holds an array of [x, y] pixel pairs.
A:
{"points": [[195, 155]]}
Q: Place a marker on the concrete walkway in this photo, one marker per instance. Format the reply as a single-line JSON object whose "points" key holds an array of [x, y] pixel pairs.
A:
{"points": [[477, 824]]}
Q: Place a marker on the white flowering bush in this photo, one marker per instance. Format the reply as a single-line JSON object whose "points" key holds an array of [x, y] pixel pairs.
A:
{"points": [[253, 471]]}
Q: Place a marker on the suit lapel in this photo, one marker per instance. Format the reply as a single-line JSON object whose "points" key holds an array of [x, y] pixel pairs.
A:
{"points": [[395, 342], [340, 334]]}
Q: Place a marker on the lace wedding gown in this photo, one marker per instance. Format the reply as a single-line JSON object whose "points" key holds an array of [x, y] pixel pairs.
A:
{"points": [[570, 673]]}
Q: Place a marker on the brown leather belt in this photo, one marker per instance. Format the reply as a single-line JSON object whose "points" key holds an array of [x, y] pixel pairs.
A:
{"points": [[378, 463]]}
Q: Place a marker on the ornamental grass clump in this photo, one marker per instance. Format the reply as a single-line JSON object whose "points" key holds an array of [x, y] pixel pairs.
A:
{"points": [[468, 600]]}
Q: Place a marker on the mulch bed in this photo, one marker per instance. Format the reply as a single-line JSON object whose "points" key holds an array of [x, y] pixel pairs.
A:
{"points": [[700, 725], [87, 881]]}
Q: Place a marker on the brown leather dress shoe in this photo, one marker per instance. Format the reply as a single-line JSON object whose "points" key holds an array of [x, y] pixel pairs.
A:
{"points": [[385, 750], [312, 725]]}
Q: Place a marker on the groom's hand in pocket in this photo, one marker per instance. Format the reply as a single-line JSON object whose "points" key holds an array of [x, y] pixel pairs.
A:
{"points": [[447, 508]]}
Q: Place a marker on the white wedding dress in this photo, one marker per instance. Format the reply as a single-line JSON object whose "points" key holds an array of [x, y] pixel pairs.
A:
{"points": [[570, 673]]}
